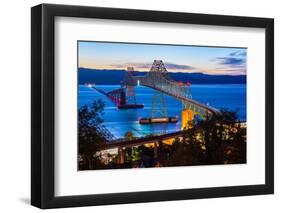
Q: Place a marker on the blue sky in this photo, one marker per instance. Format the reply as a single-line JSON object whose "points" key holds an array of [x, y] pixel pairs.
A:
{"points": [[177, 58]]}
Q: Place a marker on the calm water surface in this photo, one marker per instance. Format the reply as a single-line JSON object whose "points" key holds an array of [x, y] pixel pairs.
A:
{"points": [[118, 122]]}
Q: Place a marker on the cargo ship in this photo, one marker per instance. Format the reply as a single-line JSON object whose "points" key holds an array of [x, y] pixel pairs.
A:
{"points": [[130, 106], [158, 120]]}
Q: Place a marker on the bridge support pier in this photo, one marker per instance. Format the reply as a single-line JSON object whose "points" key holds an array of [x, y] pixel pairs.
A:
{"points": [[121, 156], [158, 106], [187, 118], [155, 153], [122, 98], [158, 150]]}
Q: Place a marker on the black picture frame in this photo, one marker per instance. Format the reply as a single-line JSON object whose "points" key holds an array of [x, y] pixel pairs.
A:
{"points": [[43, 102]]}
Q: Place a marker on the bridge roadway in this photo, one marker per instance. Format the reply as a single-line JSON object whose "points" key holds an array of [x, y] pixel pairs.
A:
{"points": [[142, 80], [198, 105], [108, 94], [192, 101], [142, 140]]}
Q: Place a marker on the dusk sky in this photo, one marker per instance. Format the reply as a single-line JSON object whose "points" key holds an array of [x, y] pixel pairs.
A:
{"points": [[177, 58]]}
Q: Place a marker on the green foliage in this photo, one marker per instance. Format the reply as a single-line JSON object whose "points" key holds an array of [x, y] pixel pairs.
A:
{"points": [[143, 150], [89, 139], [220, 139], [129, 135], [221, 136], [90, 115], [184, 153], [217, 140]]}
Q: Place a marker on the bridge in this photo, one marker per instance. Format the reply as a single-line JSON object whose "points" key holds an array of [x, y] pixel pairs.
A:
{"points": [[158, 79], [142, 140], [156, 140], [124, 97]]}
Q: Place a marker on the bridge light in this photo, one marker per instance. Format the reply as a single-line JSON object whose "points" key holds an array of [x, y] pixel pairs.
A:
{"points": [[180, 83]]}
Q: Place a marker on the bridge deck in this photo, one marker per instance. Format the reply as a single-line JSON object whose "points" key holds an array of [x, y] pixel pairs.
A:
{"points": [[143, 79], [206, 107], [142, 140]]}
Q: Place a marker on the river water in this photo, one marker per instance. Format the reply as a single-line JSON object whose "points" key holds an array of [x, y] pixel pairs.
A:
{"points": [[118, 122]]}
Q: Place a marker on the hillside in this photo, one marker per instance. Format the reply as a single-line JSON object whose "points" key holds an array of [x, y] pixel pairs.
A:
{"points": [[109, 77]]}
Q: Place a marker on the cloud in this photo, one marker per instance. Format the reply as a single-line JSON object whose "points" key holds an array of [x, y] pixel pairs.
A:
{"points": [[141, 65], [238, 53], [118, 66], [238, 71], [220, 71], [243, 53], [135, 65], [231, 61], [178, 66], [147, 66]]}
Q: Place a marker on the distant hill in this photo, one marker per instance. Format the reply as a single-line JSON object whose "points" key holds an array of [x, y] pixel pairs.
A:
{"points": [[109, 77]]}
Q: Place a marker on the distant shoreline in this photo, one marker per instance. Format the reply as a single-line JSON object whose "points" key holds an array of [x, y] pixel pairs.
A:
{"points": [[113, 77], [141, 85]]}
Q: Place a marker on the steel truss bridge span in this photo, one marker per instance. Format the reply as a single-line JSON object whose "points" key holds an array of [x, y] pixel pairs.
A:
{"points": [[158, 79]]}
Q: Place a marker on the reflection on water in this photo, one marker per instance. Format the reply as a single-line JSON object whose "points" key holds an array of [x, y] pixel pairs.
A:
{"points": [[118, 122]]}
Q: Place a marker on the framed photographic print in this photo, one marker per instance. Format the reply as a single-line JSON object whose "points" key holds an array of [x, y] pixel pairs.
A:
{"points": [[140, 106]]}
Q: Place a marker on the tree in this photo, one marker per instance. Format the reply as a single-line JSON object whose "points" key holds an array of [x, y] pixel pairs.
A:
{"points": [[91, 115], [186, 151], [235, 151], [223, 138], [89, 118], [129, 135], [217, 140]]}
